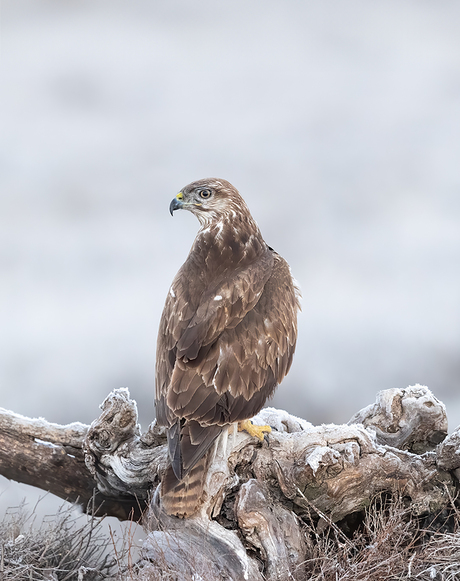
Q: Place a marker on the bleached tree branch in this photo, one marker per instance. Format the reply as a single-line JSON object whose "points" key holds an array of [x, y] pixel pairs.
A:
{"points": [[256, 493]]}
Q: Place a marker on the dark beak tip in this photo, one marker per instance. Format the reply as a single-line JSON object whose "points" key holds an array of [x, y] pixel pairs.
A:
{"points": [[174, 205]]}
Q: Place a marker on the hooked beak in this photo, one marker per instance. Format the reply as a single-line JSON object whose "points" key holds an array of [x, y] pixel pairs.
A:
{"points": [[177, 203]]}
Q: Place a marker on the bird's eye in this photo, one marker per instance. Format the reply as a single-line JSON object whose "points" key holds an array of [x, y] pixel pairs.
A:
{"points": [[205, 194]]}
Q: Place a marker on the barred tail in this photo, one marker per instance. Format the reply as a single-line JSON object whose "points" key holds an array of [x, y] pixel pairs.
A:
{"points": [[182, 498]]}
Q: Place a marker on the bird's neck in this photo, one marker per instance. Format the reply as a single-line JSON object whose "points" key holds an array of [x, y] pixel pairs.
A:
{"points": [[231, 241]]}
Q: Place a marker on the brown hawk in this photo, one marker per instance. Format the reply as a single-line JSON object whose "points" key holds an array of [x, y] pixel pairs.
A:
{"points": [[226, 339]]}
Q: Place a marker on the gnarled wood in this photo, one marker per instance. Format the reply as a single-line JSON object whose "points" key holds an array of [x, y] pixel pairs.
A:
{"points": [[256, 489], [51, 457], [410, 419], [249, 523], [46, 455]]}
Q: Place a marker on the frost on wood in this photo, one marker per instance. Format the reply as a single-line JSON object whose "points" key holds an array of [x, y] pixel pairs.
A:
{"points": [[409, 419], [256, 494]]}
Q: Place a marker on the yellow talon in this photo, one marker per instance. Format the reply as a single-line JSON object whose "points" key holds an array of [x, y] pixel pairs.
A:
{"points": [[253, 430]]}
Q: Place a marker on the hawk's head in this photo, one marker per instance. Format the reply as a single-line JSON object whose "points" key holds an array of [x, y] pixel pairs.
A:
{"points": [[209, 199]]}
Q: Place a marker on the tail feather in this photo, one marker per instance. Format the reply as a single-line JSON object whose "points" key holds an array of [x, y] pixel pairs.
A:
{"points": [[182, 498]]}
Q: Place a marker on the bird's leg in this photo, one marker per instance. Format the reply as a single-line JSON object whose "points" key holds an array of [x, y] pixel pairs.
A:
{"points": [[253, 430]]}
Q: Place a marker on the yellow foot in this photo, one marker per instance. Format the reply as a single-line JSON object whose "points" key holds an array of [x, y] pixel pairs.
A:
{"points": [[253, 430]]}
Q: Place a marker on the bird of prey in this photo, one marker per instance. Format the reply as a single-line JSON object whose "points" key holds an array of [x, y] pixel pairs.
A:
{"points": [[226, 338]]}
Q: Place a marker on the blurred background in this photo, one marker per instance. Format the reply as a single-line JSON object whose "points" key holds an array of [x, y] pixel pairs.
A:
{"points": [[339, 122]]}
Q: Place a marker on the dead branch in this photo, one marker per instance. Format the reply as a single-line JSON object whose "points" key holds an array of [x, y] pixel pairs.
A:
{"points": [[256, 493], [51, 457]]}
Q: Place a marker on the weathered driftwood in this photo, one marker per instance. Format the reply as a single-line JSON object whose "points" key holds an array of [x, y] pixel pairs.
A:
{"points": [[51, 457], [410, 419], [256, 493]]}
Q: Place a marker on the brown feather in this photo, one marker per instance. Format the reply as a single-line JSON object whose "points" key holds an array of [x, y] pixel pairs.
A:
{"points": [[182, 498], [226, 337]]}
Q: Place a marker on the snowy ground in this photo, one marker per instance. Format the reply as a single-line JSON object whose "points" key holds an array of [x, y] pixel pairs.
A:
{"points": [[338, 121]]}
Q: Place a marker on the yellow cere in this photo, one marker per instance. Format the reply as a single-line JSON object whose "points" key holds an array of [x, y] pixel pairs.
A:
{"points": [[180, 196]]}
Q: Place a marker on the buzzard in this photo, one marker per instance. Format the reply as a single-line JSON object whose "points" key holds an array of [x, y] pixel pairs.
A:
{"points": [[226, 338]]}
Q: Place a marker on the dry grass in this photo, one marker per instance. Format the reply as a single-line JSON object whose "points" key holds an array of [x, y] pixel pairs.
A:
{"points": [[388, 544], [384, 543], [61, 547]]}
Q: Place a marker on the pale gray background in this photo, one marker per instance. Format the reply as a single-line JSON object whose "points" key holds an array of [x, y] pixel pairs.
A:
{"points": [[339, 121]]}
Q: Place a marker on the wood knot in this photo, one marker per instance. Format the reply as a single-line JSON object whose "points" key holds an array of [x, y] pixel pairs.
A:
{"points": [[101, 439]]}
